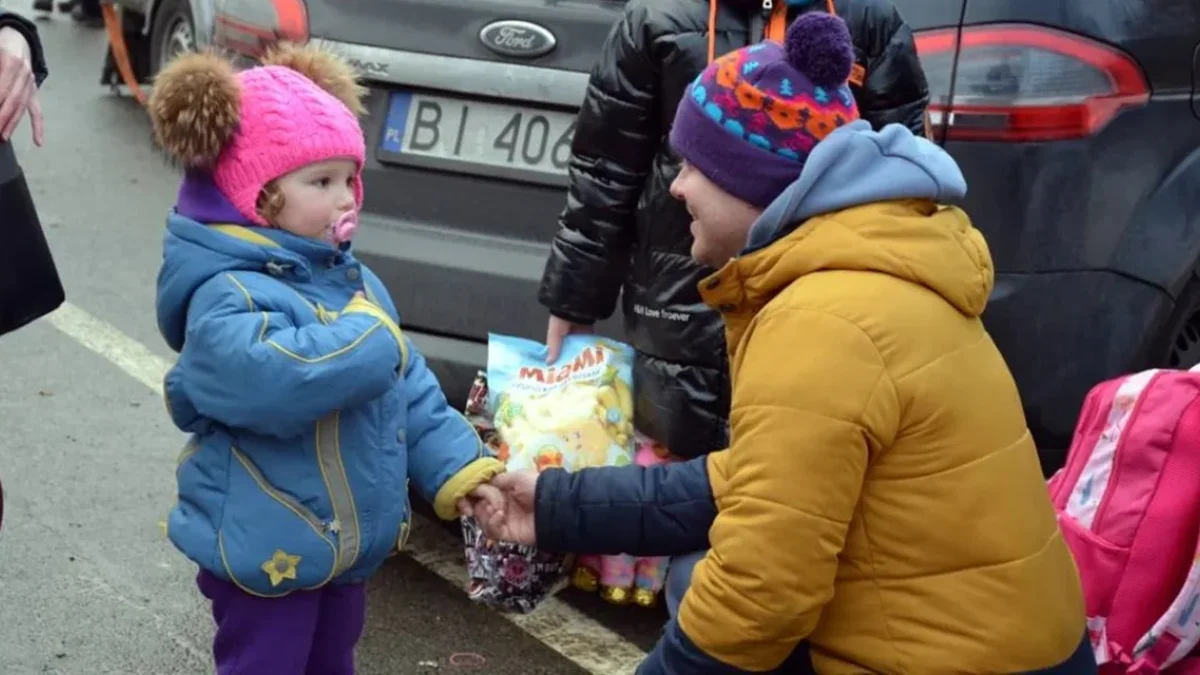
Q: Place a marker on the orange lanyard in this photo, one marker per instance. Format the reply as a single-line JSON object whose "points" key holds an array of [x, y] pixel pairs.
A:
{"points": [[776, 31], [777, 26]]}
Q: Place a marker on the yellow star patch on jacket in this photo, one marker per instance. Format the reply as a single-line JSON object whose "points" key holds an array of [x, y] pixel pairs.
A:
{"points": [[282, 565]]}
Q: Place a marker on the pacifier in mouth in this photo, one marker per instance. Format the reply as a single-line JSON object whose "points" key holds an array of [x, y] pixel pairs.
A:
{"points": [[343, 228]]}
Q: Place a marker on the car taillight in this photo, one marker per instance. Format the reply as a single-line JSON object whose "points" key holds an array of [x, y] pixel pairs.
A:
{"points": [[291, 18], [249, 26], [1018, 82]]}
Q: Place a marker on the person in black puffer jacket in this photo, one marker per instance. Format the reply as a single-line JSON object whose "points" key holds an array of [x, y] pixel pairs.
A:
{"points": [[622, 228]]}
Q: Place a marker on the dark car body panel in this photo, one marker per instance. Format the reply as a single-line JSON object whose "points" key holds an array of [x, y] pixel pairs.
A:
{"points": [[929, 14], [1093, 239], [1196, 81]]}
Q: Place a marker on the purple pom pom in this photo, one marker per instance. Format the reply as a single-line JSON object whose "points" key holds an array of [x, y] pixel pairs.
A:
{"points": [[818, 46]]}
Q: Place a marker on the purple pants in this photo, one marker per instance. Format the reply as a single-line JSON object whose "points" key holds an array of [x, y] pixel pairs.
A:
{"points": [[305, 633]]}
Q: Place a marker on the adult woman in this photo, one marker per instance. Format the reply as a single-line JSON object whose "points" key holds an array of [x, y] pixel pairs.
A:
{"points": [[622, 228], [29, 283]]}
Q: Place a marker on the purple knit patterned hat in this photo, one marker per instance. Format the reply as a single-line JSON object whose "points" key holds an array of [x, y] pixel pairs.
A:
{"points": [[749, 120]]}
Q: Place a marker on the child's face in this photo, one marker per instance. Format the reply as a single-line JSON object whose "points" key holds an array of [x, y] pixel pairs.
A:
{"points": [[315, 196]]}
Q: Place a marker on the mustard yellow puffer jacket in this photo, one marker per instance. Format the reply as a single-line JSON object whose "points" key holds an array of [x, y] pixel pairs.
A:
{"points": [[876, 430]]}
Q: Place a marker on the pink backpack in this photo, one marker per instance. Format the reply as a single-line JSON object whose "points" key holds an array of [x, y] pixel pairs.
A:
{"points": [[1128, 503]]}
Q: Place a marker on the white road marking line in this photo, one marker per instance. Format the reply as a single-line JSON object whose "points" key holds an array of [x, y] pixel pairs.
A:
{"points": [[556, 624], [103, 338]]}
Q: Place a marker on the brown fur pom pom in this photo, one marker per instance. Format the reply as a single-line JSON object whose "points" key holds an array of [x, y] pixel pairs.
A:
{"points": [[194, 107], [329, 71]]}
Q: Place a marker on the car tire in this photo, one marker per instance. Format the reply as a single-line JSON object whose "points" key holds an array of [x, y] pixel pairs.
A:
{"points": [[173, 33], [1180, 342], [1176, 346]]}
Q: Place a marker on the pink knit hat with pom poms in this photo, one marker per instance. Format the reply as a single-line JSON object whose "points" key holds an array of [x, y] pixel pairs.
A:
{"points": [[250, 127]]}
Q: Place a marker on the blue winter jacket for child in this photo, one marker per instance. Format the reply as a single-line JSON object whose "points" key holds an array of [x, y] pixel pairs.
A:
{"points": [[309, 411]]}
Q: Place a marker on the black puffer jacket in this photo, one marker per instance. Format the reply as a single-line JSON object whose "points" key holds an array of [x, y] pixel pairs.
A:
{"points": [[622, 228]]}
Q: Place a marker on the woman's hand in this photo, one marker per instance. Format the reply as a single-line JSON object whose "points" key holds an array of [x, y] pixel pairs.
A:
{"points": [[18, 88], [556, 330]]}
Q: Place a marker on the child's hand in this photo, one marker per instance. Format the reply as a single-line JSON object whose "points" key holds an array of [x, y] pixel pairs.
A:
{"points": [[490, 495]]}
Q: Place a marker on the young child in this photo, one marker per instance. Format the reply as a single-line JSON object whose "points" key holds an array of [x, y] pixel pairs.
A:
{"points": [[308, 407]]}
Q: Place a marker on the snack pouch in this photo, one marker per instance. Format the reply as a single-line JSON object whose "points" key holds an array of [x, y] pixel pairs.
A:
{"points": [[573, 413]]}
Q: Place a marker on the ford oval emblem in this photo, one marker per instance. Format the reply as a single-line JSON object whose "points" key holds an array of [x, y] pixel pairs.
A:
{"points": [[511, 37]]}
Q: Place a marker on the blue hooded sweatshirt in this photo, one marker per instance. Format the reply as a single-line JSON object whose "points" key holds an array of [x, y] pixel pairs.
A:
{"points": [[309, 411]]}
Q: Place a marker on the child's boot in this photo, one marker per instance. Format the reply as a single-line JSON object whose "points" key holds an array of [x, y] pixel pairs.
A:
{"points": [[616, 578], [650, 578], [586, 575]]}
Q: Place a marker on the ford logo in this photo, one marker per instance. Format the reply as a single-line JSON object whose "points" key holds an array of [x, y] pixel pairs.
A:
{"points": [[517, 38]]}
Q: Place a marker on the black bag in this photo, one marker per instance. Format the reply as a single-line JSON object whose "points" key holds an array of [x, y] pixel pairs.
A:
{"points": [[30, 287]]}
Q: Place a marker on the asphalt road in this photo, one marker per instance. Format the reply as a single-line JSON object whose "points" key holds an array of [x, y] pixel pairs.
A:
{"points": [[88, 584]]}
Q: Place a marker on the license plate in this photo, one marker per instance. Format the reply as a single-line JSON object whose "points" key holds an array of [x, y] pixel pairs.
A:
{"points": [[461, 133]]}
